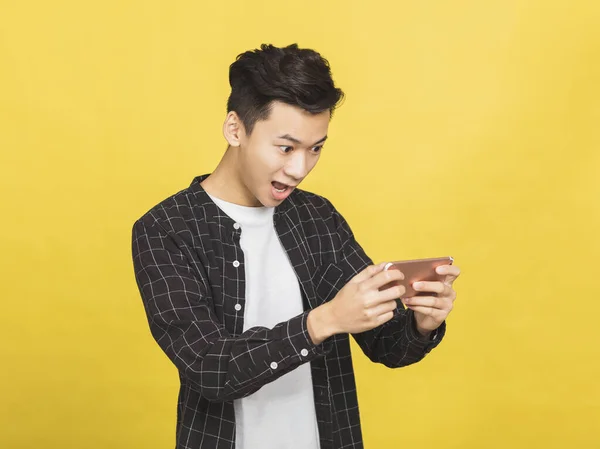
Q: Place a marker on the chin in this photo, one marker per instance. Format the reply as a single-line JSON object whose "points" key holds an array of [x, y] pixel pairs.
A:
{"points": [[269, 202], [263, 200]]}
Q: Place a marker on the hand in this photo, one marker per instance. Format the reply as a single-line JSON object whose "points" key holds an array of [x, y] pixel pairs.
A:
{"points": [[359, 306], [431, 311]]}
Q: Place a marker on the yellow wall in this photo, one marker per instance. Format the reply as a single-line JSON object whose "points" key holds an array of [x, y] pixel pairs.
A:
{"points": [[471, 128]]}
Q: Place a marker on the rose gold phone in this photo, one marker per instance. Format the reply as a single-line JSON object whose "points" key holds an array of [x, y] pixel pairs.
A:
{"points": [[417, 270]]}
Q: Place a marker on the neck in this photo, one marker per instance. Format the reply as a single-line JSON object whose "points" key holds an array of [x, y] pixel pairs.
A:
{"points": [[225, 181]]}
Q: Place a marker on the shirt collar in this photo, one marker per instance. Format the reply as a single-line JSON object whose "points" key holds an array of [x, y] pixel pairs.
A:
{"points": [[202, 197]]}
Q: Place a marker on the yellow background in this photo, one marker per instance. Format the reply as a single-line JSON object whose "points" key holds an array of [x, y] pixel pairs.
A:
{"points": [[470, 128]]}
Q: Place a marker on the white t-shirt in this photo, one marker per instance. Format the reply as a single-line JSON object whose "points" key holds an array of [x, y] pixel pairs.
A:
{"points": [[281, 414]]}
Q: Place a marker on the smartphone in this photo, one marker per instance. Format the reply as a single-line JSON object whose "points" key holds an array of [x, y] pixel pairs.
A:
{"points": [[417, 270]]}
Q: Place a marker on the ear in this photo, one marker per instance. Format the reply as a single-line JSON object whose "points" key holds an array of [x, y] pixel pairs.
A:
{"points": [[233, 129]]}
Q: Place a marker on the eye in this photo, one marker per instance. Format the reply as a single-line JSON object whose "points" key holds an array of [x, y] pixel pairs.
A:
{"points": [[317, 149], [286, 148]]}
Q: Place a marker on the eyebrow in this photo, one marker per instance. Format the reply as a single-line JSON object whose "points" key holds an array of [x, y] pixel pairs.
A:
{"points": [[296, 141]]}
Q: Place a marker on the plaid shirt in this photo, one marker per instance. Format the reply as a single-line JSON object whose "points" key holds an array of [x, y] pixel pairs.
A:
{"points": [[189, 268]]}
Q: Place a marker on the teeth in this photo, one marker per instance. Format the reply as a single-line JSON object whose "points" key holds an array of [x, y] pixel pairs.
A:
{"points": [[280, 190]]}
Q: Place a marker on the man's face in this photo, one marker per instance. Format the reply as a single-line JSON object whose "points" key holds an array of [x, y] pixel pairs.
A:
{"points": [[281, 152]]}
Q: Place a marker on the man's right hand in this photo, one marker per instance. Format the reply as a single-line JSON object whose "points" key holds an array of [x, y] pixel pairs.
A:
{"points": [[359, 306]]}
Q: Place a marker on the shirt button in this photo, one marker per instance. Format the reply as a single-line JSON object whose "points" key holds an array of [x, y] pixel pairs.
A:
{"points": [[236, 226], [304, 352], [238, 307], [274, 365], [236, 263]]}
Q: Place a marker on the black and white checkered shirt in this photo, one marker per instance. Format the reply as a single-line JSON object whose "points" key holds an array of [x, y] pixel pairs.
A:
{"points": [[189, 267]]}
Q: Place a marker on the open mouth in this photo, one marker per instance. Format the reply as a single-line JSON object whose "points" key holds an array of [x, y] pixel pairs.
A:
{"points": [[281, 191], [279, 187]]}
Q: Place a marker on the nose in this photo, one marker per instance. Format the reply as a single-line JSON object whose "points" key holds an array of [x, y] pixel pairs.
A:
{"points": [[296, 166]]}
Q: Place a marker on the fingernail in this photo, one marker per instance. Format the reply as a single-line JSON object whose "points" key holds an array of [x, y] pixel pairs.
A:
{"points": [[387, 265], [418, 285]]}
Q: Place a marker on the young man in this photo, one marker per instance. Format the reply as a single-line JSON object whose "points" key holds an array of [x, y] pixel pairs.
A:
{"points": [[252, 286]]}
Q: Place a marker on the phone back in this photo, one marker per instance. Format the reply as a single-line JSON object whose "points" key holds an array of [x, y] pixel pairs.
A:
{"points": [[418, 270]]}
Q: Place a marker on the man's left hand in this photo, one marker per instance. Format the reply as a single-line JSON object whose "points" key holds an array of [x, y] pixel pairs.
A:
{"points": [[431, 311]]}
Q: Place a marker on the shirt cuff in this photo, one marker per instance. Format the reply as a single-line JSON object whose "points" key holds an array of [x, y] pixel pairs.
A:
{"points": [[300, 346], [416, 338]]}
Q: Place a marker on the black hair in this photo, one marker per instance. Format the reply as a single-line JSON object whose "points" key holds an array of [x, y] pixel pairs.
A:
{"points": [[295, 76]]}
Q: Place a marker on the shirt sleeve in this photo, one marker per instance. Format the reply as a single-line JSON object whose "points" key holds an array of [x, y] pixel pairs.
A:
{"points": [[395, 343], [219, 366]]}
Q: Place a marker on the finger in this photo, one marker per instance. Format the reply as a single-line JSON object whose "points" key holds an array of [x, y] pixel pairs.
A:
{"points": [[383, 278], [450, 271], [393, 292], [385, 317], [426, 301], [429, 311], [434, 287], [368, 273], [384, 308]]}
